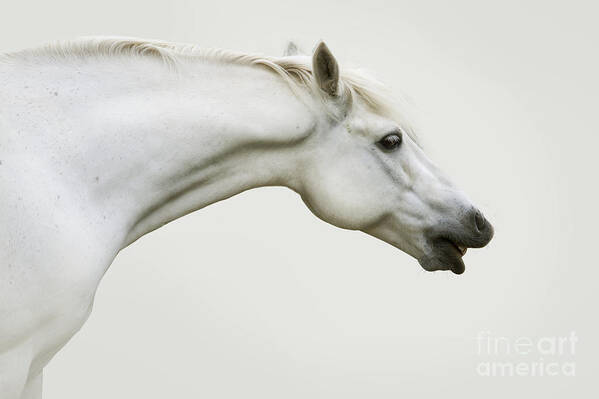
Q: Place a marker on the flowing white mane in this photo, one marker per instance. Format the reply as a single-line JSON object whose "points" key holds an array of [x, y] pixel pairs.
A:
{"points": [[296, 70]]}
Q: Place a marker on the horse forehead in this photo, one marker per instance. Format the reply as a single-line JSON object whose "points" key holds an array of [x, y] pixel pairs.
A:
{"points": [[368, 124]]}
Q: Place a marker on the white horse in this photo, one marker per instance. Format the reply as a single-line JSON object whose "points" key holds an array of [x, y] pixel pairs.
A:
{"points": [[104, 140]]}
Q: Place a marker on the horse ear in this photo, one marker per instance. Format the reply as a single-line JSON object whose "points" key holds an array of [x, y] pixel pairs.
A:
{"points": [[291, 49], [326, 69]]}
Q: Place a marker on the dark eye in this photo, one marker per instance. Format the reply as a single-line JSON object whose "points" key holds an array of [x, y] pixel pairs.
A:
{"points": [[391, 141]]}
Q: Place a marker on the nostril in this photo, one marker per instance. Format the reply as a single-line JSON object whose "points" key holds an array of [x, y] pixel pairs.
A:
{"points": [[480, 221]]}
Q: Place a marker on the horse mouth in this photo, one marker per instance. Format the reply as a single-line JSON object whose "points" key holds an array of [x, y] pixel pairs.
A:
{"points": [[461, 249], [446, 255]]}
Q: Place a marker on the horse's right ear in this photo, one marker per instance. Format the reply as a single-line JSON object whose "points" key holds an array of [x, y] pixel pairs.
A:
{"points": [[326, 70]]}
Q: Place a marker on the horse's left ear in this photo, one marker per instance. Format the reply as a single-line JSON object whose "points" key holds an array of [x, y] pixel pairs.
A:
{"points": [[326, 70], [291, 50]]}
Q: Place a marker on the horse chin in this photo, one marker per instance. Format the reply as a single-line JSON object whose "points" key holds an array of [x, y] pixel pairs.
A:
{"points": [[445, 256]]}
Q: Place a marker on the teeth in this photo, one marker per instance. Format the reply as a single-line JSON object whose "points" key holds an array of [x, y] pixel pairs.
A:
{"points": [[462, 250]]}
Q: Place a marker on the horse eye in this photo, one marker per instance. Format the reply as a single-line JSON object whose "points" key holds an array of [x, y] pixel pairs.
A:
{"points": [[391, 141]]}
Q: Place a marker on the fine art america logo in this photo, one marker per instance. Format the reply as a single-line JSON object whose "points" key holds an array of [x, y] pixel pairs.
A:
{"points": [[547, 356]]}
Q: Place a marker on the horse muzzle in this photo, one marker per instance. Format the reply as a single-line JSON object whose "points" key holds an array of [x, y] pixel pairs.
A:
{"points": [[449, 242]]}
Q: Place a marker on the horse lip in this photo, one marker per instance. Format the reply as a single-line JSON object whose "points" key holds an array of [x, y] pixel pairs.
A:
{"points": [[458, 267], [446, 255], [460, 248]]}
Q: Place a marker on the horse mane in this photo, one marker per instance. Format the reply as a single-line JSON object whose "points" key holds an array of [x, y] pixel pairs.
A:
{"points": [[295, 70]]}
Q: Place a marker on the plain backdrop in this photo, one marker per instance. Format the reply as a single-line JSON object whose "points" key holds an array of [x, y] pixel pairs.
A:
{"points": [[254, 297]]}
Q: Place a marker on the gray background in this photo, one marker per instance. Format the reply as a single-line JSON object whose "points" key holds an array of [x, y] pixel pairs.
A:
{"points": [[254, 297]]}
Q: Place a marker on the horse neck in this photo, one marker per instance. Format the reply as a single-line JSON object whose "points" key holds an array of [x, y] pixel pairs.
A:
{"points": [[148, 145]]}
